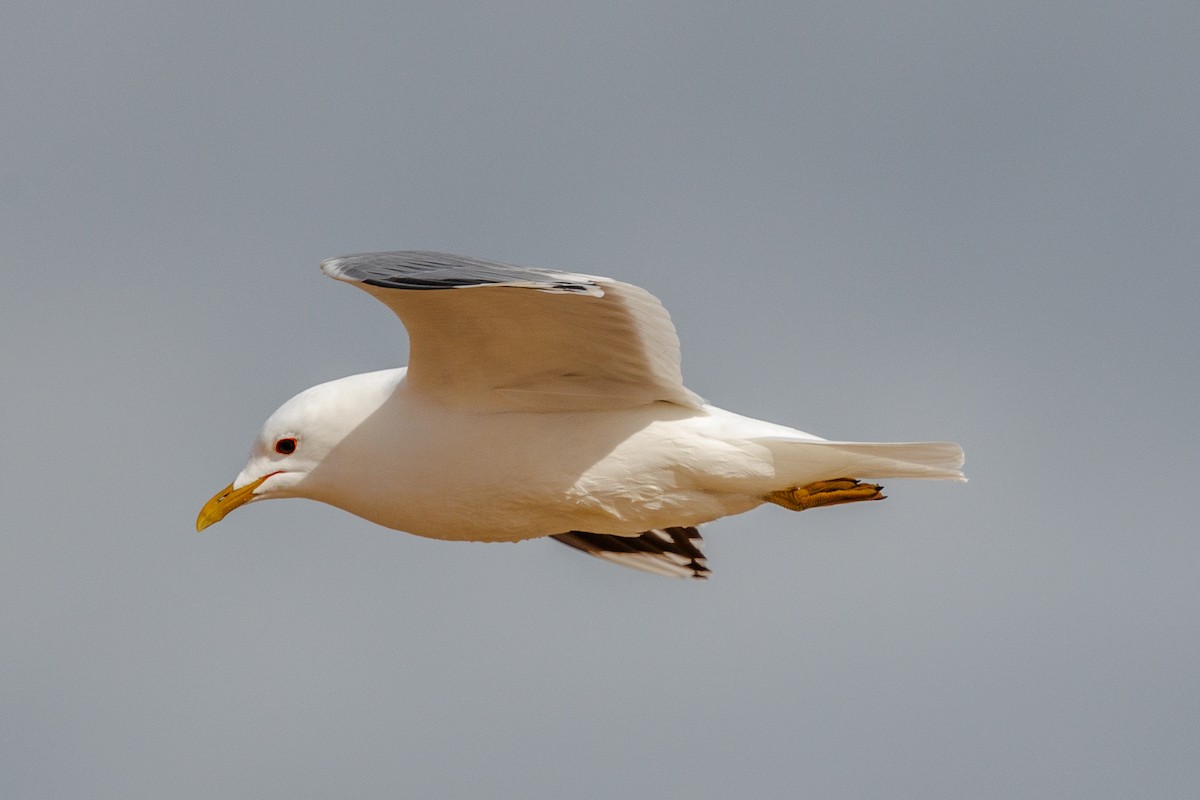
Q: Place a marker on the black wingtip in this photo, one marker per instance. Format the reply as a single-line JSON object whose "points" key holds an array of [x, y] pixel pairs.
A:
{"points": [[673, 552]]}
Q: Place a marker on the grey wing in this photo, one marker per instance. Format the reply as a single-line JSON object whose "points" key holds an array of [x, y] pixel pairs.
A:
{"points": [[415, 269], [489, 336], [674, 552]]}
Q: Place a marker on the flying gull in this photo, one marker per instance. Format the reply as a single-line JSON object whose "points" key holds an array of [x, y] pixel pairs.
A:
{"points": [[544, 403]]}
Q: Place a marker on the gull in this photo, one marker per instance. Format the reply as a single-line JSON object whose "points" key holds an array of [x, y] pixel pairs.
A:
{"points": [[540, 403]]}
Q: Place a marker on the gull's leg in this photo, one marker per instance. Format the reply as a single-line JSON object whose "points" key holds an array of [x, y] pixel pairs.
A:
{"points": [[825, 493]]}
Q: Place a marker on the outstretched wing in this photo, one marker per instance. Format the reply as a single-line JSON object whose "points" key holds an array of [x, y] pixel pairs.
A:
{"points": [[674, 552], [488, 336]]}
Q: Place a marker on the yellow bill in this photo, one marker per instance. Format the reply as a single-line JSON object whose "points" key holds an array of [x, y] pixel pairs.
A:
{"points": [[225, 501]]}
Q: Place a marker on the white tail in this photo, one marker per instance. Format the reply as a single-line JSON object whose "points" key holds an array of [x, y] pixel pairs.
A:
{"points": [[802, 461]]}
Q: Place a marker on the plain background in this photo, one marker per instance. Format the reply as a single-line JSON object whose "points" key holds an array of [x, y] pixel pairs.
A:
{"points": [[879, 221]]}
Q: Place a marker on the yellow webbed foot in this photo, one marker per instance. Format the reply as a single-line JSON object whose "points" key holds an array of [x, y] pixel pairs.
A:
{"points": [[826, 493]]}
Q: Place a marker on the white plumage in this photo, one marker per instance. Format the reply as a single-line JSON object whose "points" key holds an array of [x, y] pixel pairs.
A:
{"points": [[541, 403]]}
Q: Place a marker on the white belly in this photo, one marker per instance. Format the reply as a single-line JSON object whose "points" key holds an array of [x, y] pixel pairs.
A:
{"points": [[505, 477]]}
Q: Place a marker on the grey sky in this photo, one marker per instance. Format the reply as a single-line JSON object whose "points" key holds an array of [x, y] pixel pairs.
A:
{"points": [[875, 221]]}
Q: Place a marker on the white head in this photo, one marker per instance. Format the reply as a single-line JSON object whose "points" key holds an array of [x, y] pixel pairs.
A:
{"points": [[297, 438]]}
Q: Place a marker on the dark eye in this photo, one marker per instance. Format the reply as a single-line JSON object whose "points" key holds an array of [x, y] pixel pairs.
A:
{"points": [[285, 446]]}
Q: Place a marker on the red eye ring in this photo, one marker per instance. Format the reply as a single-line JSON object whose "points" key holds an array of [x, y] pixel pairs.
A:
{"points": [[285, 446]]}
